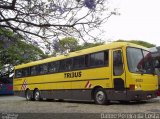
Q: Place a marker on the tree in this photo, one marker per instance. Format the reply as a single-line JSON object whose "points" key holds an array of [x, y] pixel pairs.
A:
{"points": [[72, 44], [14, 51], [67, 43], [138, 42], [49, 19], [89, 45]]}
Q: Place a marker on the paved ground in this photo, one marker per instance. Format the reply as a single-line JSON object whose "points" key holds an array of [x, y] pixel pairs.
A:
{"points": [[13, 104]]}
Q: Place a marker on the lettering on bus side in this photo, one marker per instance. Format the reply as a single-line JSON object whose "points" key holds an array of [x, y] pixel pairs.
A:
{"points": [[73, 74], [139, 80]]}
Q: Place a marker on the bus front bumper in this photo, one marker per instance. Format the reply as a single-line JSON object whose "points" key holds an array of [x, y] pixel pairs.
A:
{"points": [[129, 95], [141, 95]]}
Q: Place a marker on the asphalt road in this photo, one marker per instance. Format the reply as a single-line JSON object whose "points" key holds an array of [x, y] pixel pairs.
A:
{"points": [[49, 109]]}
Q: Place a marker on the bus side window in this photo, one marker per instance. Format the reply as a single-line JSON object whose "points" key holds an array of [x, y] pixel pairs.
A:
{"points": [[53, 67], [117, 63], [18, 73], [25, 72], [98, 59], [86, 60], [79, 62], [43, 69], [33, 70], [62, 65], [68, 64], [106, 58]]}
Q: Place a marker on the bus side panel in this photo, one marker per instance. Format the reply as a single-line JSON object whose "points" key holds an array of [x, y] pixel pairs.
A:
{"points": [[61, 87]]}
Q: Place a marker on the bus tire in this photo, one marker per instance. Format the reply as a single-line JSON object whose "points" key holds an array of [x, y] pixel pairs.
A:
{"points": [[36, 95], [28, 95], [100, 96]]}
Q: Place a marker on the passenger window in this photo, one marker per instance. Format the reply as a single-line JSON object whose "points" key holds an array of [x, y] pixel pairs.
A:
{"points": [[79, 62], [25, 72], [106, 58], [53, 67], [33, 70], [65, 65], [92, 60], [68, 64], [98, 59], [43, 69], [117, 63], [18, 73], [62, 65], [87, 61]]}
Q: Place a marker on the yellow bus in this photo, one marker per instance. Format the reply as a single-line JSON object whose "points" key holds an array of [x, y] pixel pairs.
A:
{"points": [[115, 71]]}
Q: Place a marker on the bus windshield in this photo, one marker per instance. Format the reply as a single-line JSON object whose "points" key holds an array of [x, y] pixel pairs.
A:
{"points": [[139, 61]]}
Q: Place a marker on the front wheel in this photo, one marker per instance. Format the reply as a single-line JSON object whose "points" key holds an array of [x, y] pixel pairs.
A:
{"points": [[100, 96], [36, 95]]}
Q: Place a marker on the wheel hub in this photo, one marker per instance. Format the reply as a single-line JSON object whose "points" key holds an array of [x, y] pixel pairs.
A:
{"points": [[37, 95], [100, 96]]}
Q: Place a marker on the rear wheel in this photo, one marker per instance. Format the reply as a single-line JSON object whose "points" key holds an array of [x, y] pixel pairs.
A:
{"points": [[36, 95], [28, 94], [100, 96]]}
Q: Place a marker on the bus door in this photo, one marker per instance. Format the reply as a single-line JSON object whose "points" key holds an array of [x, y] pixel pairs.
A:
{"points": [[118, 71]]}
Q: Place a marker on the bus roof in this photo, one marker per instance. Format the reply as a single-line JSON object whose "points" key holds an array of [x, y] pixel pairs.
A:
{"points": [[112, 45]]}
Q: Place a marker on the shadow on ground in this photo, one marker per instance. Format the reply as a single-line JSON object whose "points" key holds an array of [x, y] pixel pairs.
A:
{"points": [[111, 103]]}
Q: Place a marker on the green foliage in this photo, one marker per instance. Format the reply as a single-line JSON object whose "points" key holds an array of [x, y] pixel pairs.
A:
{"points": [[14, 51], [138, 42], [72, 44], [6, 32], [89, 45], [69, 43]]}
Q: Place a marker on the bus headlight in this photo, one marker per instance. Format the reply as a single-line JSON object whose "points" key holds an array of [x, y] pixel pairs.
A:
{"points": [[135, 87], [138, 86]]}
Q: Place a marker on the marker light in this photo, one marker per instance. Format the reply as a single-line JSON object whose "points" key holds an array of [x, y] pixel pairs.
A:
{"points": [[132, 87]]}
